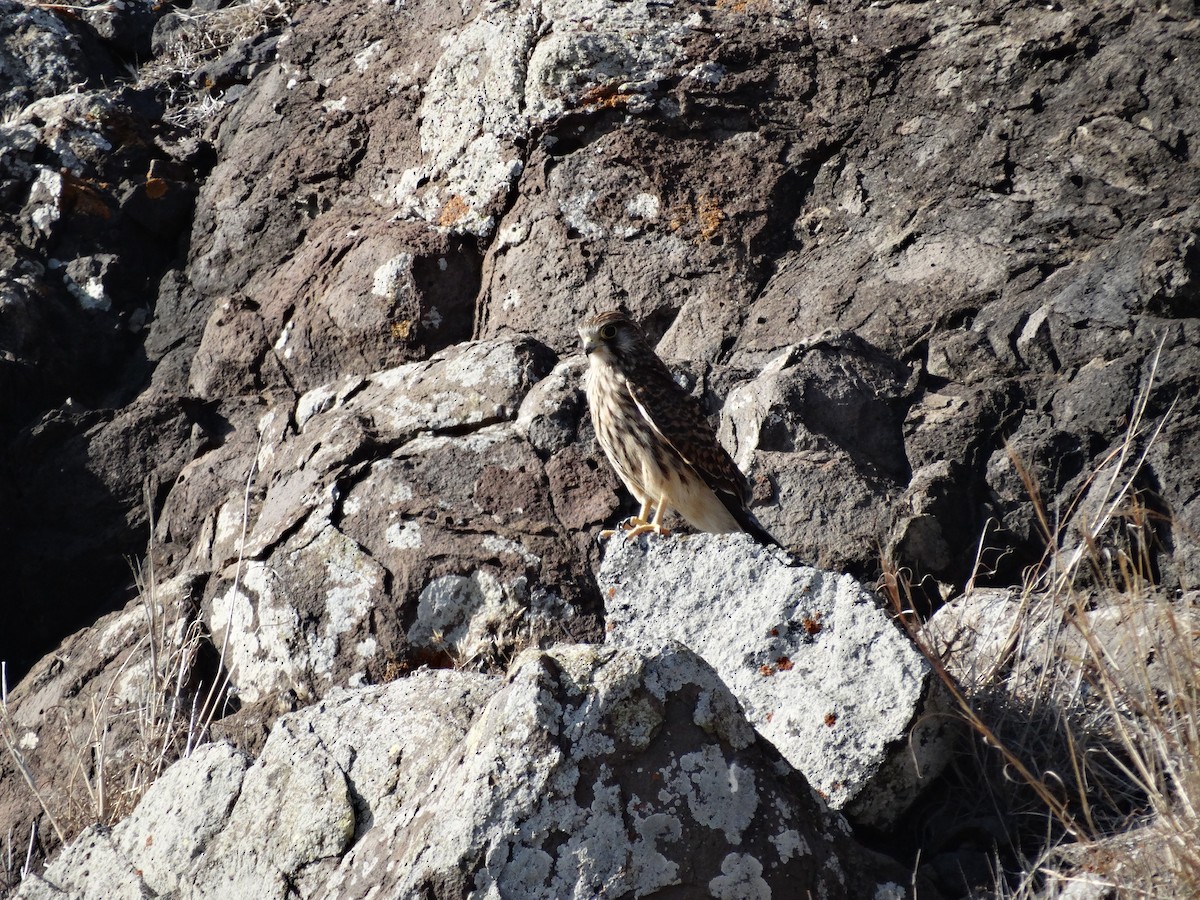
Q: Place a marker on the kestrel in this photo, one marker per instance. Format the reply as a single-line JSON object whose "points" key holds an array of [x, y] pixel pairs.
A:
{"points": [[657, 438]]}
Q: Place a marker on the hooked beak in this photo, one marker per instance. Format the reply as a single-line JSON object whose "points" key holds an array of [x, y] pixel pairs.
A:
{"points": [[589, 343]]}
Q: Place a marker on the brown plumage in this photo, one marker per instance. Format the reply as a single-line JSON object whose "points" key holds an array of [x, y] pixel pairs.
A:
{"points": [[656, 436]]}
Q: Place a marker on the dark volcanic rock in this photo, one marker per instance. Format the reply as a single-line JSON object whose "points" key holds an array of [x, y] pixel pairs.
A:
{"points": [[94, 210], [44, 53]]}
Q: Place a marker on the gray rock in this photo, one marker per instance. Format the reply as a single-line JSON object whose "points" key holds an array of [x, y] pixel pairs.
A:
{"points": [[42, 55], [821, 671], [305, 606], [216, 826], [825, 420], [326, 775], [91, 866], [180, 815], [607, 772], [117, 679]]}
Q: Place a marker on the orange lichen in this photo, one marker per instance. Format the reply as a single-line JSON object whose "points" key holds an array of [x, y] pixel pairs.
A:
{"points": [[706, 213], [156, 188], [454, 211], [710, 216], [603, 96]]}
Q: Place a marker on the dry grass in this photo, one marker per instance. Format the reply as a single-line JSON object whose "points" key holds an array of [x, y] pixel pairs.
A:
{"points": [[204, 38], [1083, 689], [153, 710], [143, 718]]}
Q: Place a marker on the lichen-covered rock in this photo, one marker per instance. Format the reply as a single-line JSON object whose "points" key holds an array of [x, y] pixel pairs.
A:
{"points": [[215, 825], [43, 54], [966, 231], [821, 671], [368, 486], [589, 772], [608, 772]]}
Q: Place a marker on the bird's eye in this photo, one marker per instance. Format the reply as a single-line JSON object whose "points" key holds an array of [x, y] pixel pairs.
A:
{"points": [[608, 332]]}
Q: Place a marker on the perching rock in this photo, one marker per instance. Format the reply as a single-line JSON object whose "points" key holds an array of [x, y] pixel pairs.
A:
{"points": [[821, 671]]}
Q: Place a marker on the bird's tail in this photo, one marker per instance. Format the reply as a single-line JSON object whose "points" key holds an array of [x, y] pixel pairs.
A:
{"points": [[749, 522]]}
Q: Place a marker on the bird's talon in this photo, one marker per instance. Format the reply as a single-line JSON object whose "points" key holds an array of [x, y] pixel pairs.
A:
{"points": [[647, 528]]}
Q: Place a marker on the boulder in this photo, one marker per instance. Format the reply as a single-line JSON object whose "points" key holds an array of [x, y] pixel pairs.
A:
{"points": [[610, 772], [588, 772], [219, 824], [821, 671]]}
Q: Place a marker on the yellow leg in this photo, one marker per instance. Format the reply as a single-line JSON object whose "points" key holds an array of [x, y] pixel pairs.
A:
{"points": [[643, 512], [656, 526], [632, 522]]}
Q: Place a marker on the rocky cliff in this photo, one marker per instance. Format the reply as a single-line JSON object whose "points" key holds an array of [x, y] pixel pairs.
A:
{"points": [[294, 455]]}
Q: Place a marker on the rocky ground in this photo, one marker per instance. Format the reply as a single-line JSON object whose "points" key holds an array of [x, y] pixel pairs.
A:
{"points": [[297, 484]]}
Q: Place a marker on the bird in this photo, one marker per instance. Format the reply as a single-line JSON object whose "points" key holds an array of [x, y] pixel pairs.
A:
{"points": [[657, 438]]}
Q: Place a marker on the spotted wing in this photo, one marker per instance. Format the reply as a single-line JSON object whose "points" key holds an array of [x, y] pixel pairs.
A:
{"points": [[677, 418]]}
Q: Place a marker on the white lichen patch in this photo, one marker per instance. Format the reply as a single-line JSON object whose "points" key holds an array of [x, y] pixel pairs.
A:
{"points": [[574, 209], [472, 112], [719, 795], [350, 577], [46, 197], [494, 543], [227, 530], [392, 280], [707, 73], [512, 235], [404, 535], [318, 400], [263, 629], [643, 206], [90, 293], [652, 867], [789, 843], [364, 57], [281, 343], [740, 879], [472, 614]]}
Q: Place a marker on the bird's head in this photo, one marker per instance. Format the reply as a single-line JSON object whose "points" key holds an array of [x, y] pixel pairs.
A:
{"points": [[612, 337]]}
